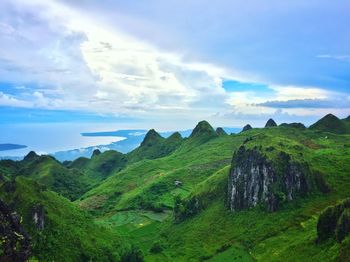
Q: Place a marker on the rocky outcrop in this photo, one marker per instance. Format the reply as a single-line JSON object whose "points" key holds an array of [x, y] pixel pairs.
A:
{"points": [[254, 179], [220, 131], [96, 152], [31, 156], [14, 240], [246, 128], [38, 216], [270, 123]]}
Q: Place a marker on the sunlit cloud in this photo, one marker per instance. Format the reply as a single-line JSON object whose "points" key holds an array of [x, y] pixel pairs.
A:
{"points": [[58, 56]]}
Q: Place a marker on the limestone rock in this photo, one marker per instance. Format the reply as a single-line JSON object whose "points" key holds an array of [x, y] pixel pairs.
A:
{"points": [[270, 123], [246, 128], [254, 180]]}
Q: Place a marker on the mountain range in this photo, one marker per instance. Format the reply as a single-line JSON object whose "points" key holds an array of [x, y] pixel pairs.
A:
{"points": [[279, 193]]}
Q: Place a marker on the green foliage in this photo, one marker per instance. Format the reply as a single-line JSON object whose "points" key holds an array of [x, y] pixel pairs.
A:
{"points": [[157, 247], [343, 225], [334, 221], [68, 234], [134, 254]]}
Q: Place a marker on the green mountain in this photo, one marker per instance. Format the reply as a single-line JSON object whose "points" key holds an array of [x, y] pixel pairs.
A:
{"points": [[58, 229], [155, 146], [330, 123], [266, 194], [46, 170], [100, 166]]}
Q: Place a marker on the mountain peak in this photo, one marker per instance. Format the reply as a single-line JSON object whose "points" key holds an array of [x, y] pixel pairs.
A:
{"points": [[330, 123], [247, 127], [31, 156], [203, 128], [270, 123], [96, 152], [220, 131], [175, 136], [151, 138]]}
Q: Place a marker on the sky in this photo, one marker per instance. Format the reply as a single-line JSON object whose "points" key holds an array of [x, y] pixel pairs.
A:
{"points": [[169, 64]]}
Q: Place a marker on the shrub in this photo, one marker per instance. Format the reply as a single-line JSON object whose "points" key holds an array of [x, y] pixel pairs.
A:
{"points": [[157, 247], [334, 221], [133, 255], [343, 225]]}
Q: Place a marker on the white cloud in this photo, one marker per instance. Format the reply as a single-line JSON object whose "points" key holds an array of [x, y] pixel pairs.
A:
{"points": [[8, 100], [81, 64], [77, 62], [336, 57]]}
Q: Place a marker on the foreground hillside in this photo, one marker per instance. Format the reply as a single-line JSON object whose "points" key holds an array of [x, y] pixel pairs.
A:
{"points": [[252, 196]]}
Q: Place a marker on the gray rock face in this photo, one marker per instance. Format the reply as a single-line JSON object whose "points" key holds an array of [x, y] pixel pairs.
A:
{"points": [[256, 180], [270, 123], [220, 131], [15, 242], [39, 217]]}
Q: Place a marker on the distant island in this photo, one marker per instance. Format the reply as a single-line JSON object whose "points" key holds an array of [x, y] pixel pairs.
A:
{"points": [[5, 147]]}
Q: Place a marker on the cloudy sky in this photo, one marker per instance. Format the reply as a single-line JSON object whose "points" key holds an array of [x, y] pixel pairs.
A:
{"points": [[169, 64]]}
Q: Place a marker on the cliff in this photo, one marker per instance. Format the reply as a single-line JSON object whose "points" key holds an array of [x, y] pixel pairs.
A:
{"points": [[254, 179], [15, 242]]}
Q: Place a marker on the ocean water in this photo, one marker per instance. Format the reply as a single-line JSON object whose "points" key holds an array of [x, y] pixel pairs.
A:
{"points": [[45, 139]]}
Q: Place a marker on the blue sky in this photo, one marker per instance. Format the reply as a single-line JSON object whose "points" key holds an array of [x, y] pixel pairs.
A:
{"points": [[170, 64]]}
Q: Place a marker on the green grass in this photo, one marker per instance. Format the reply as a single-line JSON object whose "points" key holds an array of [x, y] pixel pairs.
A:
{"points": [[233, 253]]}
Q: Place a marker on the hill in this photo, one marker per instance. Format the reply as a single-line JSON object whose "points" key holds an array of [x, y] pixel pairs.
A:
{"points": [[330, 123], [101, 165], [154, 146], [46, 170]]}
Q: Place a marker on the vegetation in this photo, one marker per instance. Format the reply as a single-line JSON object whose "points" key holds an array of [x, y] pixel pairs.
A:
{"points": [[334, 222], [166, 200], [68, 234]]}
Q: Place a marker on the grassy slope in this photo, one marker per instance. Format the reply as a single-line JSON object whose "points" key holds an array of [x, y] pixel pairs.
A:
{"points": [[99, 167], [69, 234], [191, 163], [155, 146], [48, 171], [251, 234]]}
